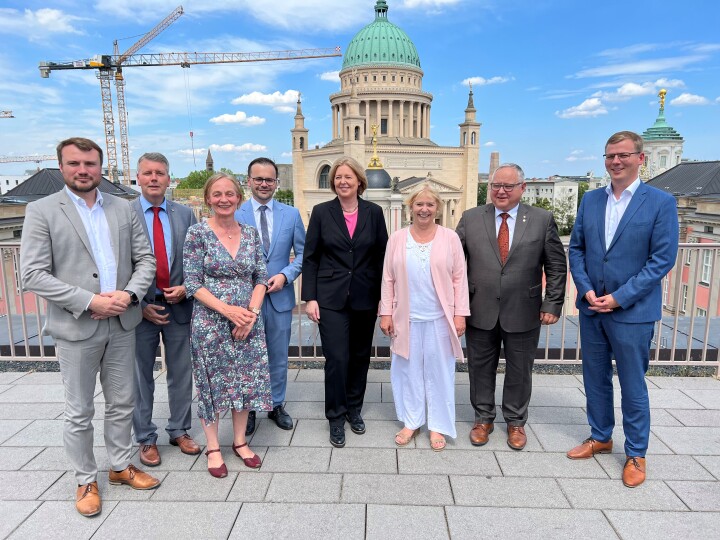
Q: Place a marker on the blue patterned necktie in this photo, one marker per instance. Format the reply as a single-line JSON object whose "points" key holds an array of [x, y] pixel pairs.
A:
{"points": [[264, 229]]}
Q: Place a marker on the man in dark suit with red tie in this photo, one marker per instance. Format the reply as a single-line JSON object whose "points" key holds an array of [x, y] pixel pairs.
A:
{"points": [[166, 313]]}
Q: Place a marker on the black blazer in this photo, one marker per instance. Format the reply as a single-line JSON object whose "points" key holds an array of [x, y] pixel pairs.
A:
{"points": [[337, 268]]}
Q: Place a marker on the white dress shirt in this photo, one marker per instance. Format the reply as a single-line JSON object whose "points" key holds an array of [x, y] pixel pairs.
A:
{"points": [[268, 214], [615, 209]]}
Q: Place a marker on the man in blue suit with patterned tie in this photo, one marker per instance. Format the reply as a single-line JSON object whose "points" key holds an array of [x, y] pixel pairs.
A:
{"points": [[624, 242], [281, 231]]}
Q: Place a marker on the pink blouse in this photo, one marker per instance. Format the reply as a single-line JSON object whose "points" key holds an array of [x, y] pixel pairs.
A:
{"points": [[351, 221]]}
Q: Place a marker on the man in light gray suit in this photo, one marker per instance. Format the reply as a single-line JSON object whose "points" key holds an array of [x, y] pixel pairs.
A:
{"points": [[87, 255], [508, 246], [166, 311]]}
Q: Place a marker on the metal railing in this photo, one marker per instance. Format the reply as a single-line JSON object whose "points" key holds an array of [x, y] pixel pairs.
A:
{"points": [[687, 335]]}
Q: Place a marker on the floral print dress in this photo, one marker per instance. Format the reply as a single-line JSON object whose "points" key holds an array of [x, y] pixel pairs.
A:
{"points": [[228, 373]]}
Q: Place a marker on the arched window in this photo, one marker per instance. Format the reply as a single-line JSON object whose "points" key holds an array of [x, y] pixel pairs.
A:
{"points": [[302, 143], [472, 138], [464, 138], [324, 182], [357, 133]]}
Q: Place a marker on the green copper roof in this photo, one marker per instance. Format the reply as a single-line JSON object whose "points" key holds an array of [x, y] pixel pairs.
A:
{"points": [[661, 130], [381, 42]]}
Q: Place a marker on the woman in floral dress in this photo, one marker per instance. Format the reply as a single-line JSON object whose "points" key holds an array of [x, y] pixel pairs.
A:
{"points": [[225, 273]]}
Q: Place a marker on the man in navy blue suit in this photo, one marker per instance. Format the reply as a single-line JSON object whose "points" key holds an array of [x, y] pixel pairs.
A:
{"points": [[281, 230], [624, 242]]}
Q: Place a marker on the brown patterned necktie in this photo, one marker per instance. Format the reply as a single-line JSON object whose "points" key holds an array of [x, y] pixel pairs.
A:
{"points": [[504, 238]]}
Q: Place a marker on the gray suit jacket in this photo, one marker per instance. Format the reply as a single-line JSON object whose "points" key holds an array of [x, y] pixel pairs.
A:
{"points": [[512, 293], [181, 217], [56, 262]]}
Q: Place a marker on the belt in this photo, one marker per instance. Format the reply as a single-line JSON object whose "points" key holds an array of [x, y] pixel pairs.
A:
{"points": [[160, 298]]}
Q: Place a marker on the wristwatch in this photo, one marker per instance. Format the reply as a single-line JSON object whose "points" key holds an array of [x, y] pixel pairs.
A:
{"points": [[255, 310], [133, 298]]}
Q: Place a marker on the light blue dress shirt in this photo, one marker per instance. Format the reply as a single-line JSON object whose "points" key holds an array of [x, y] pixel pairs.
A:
{"points": [[268, 214]]}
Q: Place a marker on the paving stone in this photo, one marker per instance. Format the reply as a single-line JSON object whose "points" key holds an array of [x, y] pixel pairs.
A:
{"points": [[698, 496], [53, 458], [34, 393], [658, 417], [637, 525], [615, 382], [697, 417], [314, 410], [711, 463], [659, 467], [8, 377], [555, 381], [556, 415], [304, 488], [194, 486], [296, 459], [497, 441], [379, 375], [690, 440], [13, 458], [666, 398], [374, 411], [25, 485], [313, 375], [613, 495], [13, 513], [250, 487], [300, 521], [465, 413], [507, 492], [5, 387], [709, 399], [41, 377], [316, 433], [459, 462], [687, 383], [268, 434], [554, 397], [561, 438], [363, 460], [170, 520], [60, 519], [405, 522], [526, 523], [551, 465], [431, 490], [31, 411], [64, 489], [50, 433], [8, 428], [462, 377]]}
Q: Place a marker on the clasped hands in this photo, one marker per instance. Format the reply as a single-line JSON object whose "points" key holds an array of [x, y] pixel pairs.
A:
{"points": [[242, 318], [108, 304], [601, 304]]}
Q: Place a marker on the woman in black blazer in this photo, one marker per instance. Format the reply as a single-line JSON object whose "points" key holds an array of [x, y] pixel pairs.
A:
{"points": [[342, 271]]}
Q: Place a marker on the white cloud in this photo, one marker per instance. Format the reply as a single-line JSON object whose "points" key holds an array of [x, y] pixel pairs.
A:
{"points": [[482, 81], [238, 118], [643, 66], [332, 76], [489, 143], [689, 99], [190, 152], [669, 83], [579, 155], [286, 154], [717, 99], [630, 90], [270, 100], [587, 109], [431, 4], [36, 25]]}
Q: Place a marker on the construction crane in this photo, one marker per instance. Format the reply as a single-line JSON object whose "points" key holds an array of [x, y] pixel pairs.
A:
{"points": [[6, 114], [20, 159]]}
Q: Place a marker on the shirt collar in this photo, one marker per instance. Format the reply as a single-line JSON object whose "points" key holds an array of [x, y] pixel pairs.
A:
{"points": [[256, 204], [145, 204], [80, 201], [513, 212], [631, 189]]}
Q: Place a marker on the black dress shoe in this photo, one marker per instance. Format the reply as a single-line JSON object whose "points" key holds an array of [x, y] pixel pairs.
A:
{"points": [[337, 436], [282, 418], [356, 423], [250, 428]]}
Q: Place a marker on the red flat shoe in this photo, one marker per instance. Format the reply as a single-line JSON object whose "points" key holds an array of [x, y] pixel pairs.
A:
{"points": [[217, 472], [251, 462]]}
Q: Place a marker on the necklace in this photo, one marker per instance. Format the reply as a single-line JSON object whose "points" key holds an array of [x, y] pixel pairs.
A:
{"points": [[225, 232], [351, 210]]}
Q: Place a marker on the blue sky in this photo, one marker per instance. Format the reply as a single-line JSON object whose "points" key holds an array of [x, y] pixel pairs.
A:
{"points": [[552, 78]]}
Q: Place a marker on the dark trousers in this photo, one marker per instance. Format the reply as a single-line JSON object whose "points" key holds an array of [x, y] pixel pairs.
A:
{"points": [[346, 336], [483, 348]]}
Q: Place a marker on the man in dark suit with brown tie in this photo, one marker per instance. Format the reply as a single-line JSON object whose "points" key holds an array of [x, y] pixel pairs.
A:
{"points": [[508, 246]]}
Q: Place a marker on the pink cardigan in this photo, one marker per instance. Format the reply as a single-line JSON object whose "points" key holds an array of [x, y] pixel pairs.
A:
{"points": [[449, 275]]}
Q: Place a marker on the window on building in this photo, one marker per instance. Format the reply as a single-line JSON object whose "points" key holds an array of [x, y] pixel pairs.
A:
{"points": [[472, 138], [365, 78], [663, 161], [17, 182], [683, 303], [700, 312], [708, 229], [324, 181], [706, 267], [383, 126], [357, 133], [374, 78], [393, 78], [402, 79], [383, 78]]}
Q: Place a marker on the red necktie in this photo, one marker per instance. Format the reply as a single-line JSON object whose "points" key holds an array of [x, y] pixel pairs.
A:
{"points": [[162, 275], [504, 238]]}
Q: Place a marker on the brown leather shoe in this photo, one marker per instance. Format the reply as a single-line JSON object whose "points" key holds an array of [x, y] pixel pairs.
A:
{"points": [[186, 444], [134, 477], [480, 433], [87, 500], [634, 471], [589, 448], [516, 437], [149, 455]]}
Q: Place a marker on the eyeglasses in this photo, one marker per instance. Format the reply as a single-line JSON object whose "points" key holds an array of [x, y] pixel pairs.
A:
{"points": [[506, 187], [259, 180], [622, 157]]}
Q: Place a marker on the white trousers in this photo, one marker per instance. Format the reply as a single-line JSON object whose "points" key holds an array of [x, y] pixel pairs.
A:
{"points": [[426, 380]]}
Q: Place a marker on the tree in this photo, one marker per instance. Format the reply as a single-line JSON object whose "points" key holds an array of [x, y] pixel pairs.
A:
{"points": [[482, 193], [195, 180], [542, 202], [564, 212], [582, 188], [286, 196]]}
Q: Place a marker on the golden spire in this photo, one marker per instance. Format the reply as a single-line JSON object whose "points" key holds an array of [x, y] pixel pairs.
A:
{"points": [[374, 160], [661, 95]]}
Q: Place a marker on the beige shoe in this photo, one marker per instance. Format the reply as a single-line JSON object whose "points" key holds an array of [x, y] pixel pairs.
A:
{"points": [[134, 477], [87, 500], [589, 448]]}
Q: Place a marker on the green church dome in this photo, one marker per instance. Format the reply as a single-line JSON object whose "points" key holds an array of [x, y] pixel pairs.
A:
{"points": [[381, 42]]}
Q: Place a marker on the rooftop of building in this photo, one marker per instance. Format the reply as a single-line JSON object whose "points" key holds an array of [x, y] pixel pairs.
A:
{"points": [[690, 178]]}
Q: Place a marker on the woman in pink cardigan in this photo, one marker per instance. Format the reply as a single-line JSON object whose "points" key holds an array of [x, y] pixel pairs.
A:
{"points": [[425, 326]]}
